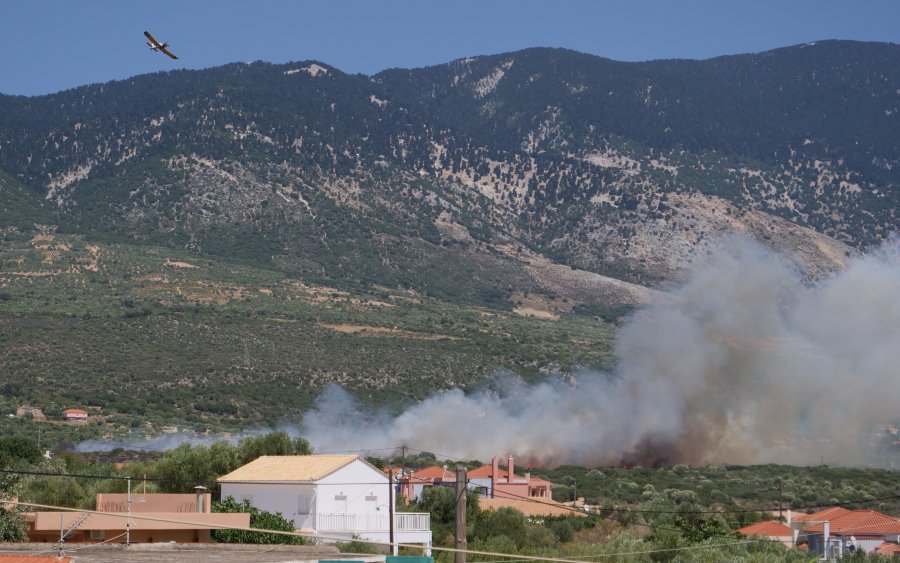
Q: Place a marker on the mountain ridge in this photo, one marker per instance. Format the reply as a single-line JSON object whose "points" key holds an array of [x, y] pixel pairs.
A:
{"points": [[511, 147]]}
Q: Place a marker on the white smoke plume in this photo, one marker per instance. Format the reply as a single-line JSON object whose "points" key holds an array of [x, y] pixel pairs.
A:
{"points": [[744, 363]]}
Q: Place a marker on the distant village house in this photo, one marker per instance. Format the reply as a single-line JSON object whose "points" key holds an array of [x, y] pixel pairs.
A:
{"points": [[75, 415], [491, 481], [496, 487]]}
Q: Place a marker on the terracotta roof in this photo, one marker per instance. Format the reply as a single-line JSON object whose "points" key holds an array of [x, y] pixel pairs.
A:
{"points": [[290, 469], [434, 472], [820, 516], [538, 481], [535, 507], [769, 528], [860, 522], [74, 411], [887, 548], [485, 471], [50, 521]]}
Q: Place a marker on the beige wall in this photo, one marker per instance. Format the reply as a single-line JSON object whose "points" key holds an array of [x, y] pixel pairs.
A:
{"points": [[156, 502]]}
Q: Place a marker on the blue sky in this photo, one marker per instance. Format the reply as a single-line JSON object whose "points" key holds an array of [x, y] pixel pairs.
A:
{"points": [[52, 45]]}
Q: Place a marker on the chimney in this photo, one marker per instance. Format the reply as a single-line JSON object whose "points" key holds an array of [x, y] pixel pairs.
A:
{"points": [[200, 492], [495, 474], [510, 466]]}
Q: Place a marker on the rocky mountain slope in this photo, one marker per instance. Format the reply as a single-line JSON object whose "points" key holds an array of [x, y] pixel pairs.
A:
{"points": [[543, 170]]}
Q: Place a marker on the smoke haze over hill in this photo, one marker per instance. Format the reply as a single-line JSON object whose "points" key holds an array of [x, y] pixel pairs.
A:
{"points": [[745, 363]]}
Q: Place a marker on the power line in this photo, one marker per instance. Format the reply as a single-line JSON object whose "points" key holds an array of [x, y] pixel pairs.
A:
{"points": [[104, 477], [530, 499], [143, 516], [717, 511]]}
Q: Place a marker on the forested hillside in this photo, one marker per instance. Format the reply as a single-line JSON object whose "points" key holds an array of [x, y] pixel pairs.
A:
{"points": [[211, 248]]}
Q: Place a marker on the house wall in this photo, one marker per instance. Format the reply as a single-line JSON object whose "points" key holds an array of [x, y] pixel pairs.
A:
{"points": [[153, 502], [137, 536], [864, 544], [515, 490], [274, 497], [483, 483], [356, 488]]}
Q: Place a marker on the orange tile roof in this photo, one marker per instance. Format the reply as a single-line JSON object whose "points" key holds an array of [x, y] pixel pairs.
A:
{"points": [[434, 472], [826, 514], [485, 471], [74, 411], [887, 548], [769, 528], [860, 522], [290, 468]]}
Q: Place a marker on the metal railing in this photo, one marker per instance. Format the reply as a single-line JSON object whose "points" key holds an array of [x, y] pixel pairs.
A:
{"points": [[350, 522]]}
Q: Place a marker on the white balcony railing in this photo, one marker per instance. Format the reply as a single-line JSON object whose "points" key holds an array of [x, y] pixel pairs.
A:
{"points": [[349, 522]]}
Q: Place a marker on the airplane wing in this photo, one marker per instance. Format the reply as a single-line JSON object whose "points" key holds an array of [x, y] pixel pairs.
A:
{"points": [[152, 39], [166, 51]]}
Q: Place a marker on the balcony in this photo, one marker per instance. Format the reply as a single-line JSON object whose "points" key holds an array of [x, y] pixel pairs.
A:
{"points": [[374, 522]]}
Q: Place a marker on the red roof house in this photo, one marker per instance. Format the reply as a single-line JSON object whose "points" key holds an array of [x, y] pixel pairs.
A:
{"points": [[850, 530], [75, 414], [776, 531], [887, 548], [492, 481], [410, 485]]}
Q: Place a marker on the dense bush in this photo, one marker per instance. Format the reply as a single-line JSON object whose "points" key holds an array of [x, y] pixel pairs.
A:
{"points": [[258, 519]]}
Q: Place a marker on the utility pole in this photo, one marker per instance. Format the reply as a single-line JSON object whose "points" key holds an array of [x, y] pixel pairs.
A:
{"points": [[62, 535], [128, 520], [391, 510], [462, 477], [781, 500]]}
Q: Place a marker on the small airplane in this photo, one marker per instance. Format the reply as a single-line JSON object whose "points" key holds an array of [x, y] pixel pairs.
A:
{"points": [[157, 46]]}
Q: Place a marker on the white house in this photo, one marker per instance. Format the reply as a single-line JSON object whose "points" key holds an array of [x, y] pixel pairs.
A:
{"points": [[337, 497]]}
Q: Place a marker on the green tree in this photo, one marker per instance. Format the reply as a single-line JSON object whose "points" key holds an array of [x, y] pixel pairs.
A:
{"points": [[440, 503], [12, 526], [273, 443], [184, 467], [18, 448], [258, 519]]}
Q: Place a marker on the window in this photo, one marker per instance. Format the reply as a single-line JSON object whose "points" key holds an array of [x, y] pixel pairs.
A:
{"points": [[304, 503], [96, 534], [371, 498]]}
